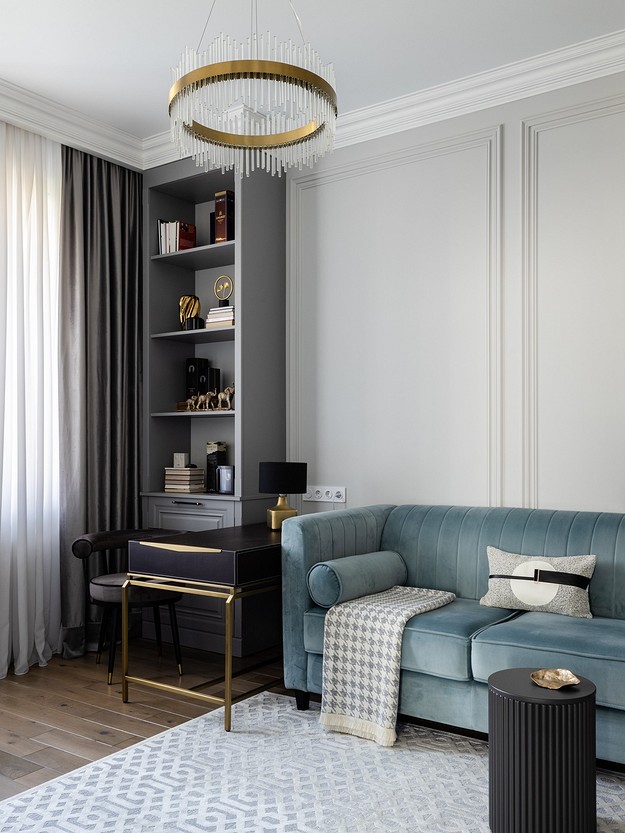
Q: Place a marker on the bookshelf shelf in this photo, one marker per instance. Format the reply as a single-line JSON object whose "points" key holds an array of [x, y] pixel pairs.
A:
{"points": [[206, 336], [201, 257], [194, 414]]}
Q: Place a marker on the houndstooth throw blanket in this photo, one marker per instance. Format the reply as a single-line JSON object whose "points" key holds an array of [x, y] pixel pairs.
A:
{"points": [[361, 660]]}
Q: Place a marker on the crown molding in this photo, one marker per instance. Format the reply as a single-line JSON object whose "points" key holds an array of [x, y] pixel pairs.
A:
{"points": [[38, 114], [564, 67], [158, 150], [575, 64]]}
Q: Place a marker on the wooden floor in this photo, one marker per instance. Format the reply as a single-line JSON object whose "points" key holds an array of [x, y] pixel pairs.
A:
{"points": [[61, 717]]}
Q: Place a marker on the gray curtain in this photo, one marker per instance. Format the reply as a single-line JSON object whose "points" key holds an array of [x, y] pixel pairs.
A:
{"points": [[100, 371]]}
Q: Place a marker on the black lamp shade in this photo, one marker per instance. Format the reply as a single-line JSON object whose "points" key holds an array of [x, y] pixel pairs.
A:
{"points": [[282, 478]]}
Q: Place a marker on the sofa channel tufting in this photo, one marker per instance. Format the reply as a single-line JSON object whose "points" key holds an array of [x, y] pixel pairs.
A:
{"points": [[449, 653]]}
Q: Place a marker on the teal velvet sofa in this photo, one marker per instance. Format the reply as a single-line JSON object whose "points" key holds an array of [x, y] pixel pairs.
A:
{"points": [[449, 653]]}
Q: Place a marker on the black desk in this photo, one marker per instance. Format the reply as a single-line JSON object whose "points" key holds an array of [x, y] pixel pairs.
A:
{"points": [[228, 564], [541, 755]]}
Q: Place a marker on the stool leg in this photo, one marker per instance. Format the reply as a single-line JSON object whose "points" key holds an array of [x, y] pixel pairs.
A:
{"points": [[102, 637], [173, 620], [112, 645], [157, 629]]}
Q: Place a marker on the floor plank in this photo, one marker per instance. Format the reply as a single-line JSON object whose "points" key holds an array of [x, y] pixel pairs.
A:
{"points": [[63, 716]]}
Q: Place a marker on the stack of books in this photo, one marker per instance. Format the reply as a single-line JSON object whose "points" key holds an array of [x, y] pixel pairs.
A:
{"points": [[184, 480], [174, 236], [220, 316]]}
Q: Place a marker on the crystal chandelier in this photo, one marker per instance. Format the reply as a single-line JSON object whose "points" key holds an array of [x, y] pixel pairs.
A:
{"points": [[258, 104]]}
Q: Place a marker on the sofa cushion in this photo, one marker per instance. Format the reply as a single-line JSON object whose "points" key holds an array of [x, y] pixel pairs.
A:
{"points": [[512, 583], [342, 579], [592, 648], [437, 642]]}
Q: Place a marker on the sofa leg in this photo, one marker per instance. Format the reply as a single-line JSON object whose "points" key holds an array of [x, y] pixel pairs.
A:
{"points": [[302, 700]]}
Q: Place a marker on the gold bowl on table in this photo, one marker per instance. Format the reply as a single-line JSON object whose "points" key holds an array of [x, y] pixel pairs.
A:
{"points": [[554, 677]]}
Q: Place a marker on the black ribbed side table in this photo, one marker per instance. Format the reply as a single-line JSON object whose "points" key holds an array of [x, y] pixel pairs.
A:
{"points": [[541, 755]]}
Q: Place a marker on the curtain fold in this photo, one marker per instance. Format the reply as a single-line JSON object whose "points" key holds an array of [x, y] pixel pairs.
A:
{"points": [[101, 355], [30, 200]]}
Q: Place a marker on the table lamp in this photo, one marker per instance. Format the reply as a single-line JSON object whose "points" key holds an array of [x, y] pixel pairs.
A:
{"points": [[282, 479]]}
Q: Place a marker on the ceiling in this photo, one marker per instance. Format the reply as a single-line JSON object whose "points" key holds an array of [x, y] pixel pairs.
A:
{"points": [[112, 61]]}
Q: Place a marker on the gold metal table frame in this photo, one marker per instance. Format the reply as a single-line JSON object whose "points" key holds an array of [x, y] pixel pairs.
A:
{"points": [[231, 593]]}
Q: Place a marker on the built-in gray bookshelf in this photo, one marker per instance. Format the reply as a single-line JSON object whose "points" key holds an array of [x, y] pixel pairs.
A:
{"points": [[250, 354]]}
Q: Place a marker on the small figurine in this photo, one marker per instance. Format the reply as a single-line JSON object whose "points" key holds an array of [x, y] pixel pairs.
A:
{"points": [[191, 403], [224, 399], [206, 400]]}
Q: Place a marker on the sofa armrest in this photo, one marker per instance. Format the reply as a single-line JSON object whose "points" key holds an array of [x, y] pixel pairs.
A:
{"points": [[306, 540]]}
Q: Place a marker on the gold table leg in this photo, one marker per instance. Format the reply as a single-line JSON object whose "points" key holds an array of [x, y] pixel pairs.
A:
{"points": [[230, 594], [228, 663], [125, 641]]}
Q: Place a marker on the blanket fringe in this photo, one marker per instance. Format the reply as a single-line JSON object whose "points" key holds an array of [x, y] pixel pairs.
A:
{"points": [[359, 727]]}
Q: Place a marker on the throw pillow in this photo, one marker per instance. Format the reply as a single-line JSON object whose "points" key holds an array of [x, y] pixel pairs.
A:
{"points": [[538, 582], [343, 579]]}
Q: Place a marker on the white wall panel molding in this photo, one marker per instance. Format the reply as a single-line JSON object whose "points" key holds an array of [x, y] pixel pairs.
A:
{"points": [[533, 130], [489, 140]]}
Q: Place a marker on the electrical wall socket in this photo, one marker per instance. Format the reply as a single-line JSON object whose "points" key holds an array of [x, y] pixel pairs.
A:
{"points": [[326, 494]]}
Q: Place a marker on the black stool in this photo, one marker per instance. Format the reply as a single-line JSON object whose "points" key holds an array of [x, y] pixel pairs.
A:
{"points": [[106, 591]]}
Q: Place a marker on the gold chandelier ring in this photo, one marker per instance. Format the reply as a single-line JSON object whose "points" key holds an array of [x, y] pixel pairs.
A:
{"points": [[241, 140], [276, 70]]}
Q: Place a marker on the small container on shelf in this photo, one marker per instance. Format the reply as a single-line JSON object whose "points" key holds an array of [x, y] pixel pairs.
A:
{"points": [[215, 457]]}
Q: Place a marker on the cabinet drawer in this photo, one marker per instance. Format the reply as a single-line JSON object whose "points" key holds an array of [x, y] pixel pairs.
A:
{"points": [[190, 513]]}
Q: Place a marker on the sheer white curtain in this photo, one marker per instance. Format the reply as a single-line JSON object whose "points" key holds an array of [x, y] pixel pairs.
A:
{"points": [[30, 203]]}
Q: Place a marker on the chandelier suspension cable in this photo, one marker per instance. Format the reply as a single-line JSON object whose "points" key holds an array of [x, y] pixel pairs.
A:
{"points": [[205, 26], [297, 20]]}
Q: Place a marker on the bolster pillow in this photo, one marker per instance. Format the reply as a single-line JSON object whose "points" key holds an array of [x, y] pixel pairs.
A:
{"points": [[332, 582]]}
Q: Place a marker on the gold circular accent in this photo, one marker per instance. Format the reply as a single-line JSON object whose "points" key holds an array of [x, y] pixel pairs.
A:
{"points": [[276, 70], [223, 287], [212, 73], [238, 140]]}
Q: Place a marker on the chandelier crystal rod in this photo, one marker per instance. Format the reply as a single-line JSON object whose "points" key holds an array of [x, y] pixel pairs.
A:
{"points": [[257, 104]]}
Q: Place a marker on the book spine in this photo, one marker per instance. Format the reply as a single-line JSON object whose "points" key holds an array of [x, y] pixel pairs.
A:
{"points": [[174, 236], [196, 376], [186, 236], [224, 216]]}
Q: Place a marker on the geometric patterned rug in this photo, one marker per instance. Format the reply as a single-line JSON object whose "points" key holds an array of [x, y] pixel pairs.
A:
{"points": [[278, 771]]}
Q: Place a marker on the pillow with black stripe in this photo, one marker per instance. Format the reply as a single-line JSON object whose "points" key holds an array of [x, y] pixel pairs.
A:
{"points": [[539, 582]]}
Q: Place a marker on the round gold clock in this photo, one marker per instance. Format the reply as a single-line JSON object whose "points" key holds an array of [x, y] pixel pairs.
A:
{"points": [[223, 287]]}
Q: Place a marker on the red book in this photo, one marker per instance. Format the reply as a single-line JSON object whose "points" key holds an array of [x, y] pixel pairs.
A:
{"points": [[186, 236]]}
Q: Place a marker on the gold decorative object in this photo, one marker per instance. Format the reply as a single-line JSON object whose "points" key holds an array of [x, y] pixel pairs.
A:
{"points": [[206, 401], [223, 287], [189, 308], [224, 399], [258, 104], [554, 677], [209, 401]]}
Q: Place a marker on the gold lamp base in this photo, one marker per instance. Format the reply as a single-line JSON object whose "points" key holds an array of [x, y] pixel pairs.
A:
{"points": [[280, 512]]}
